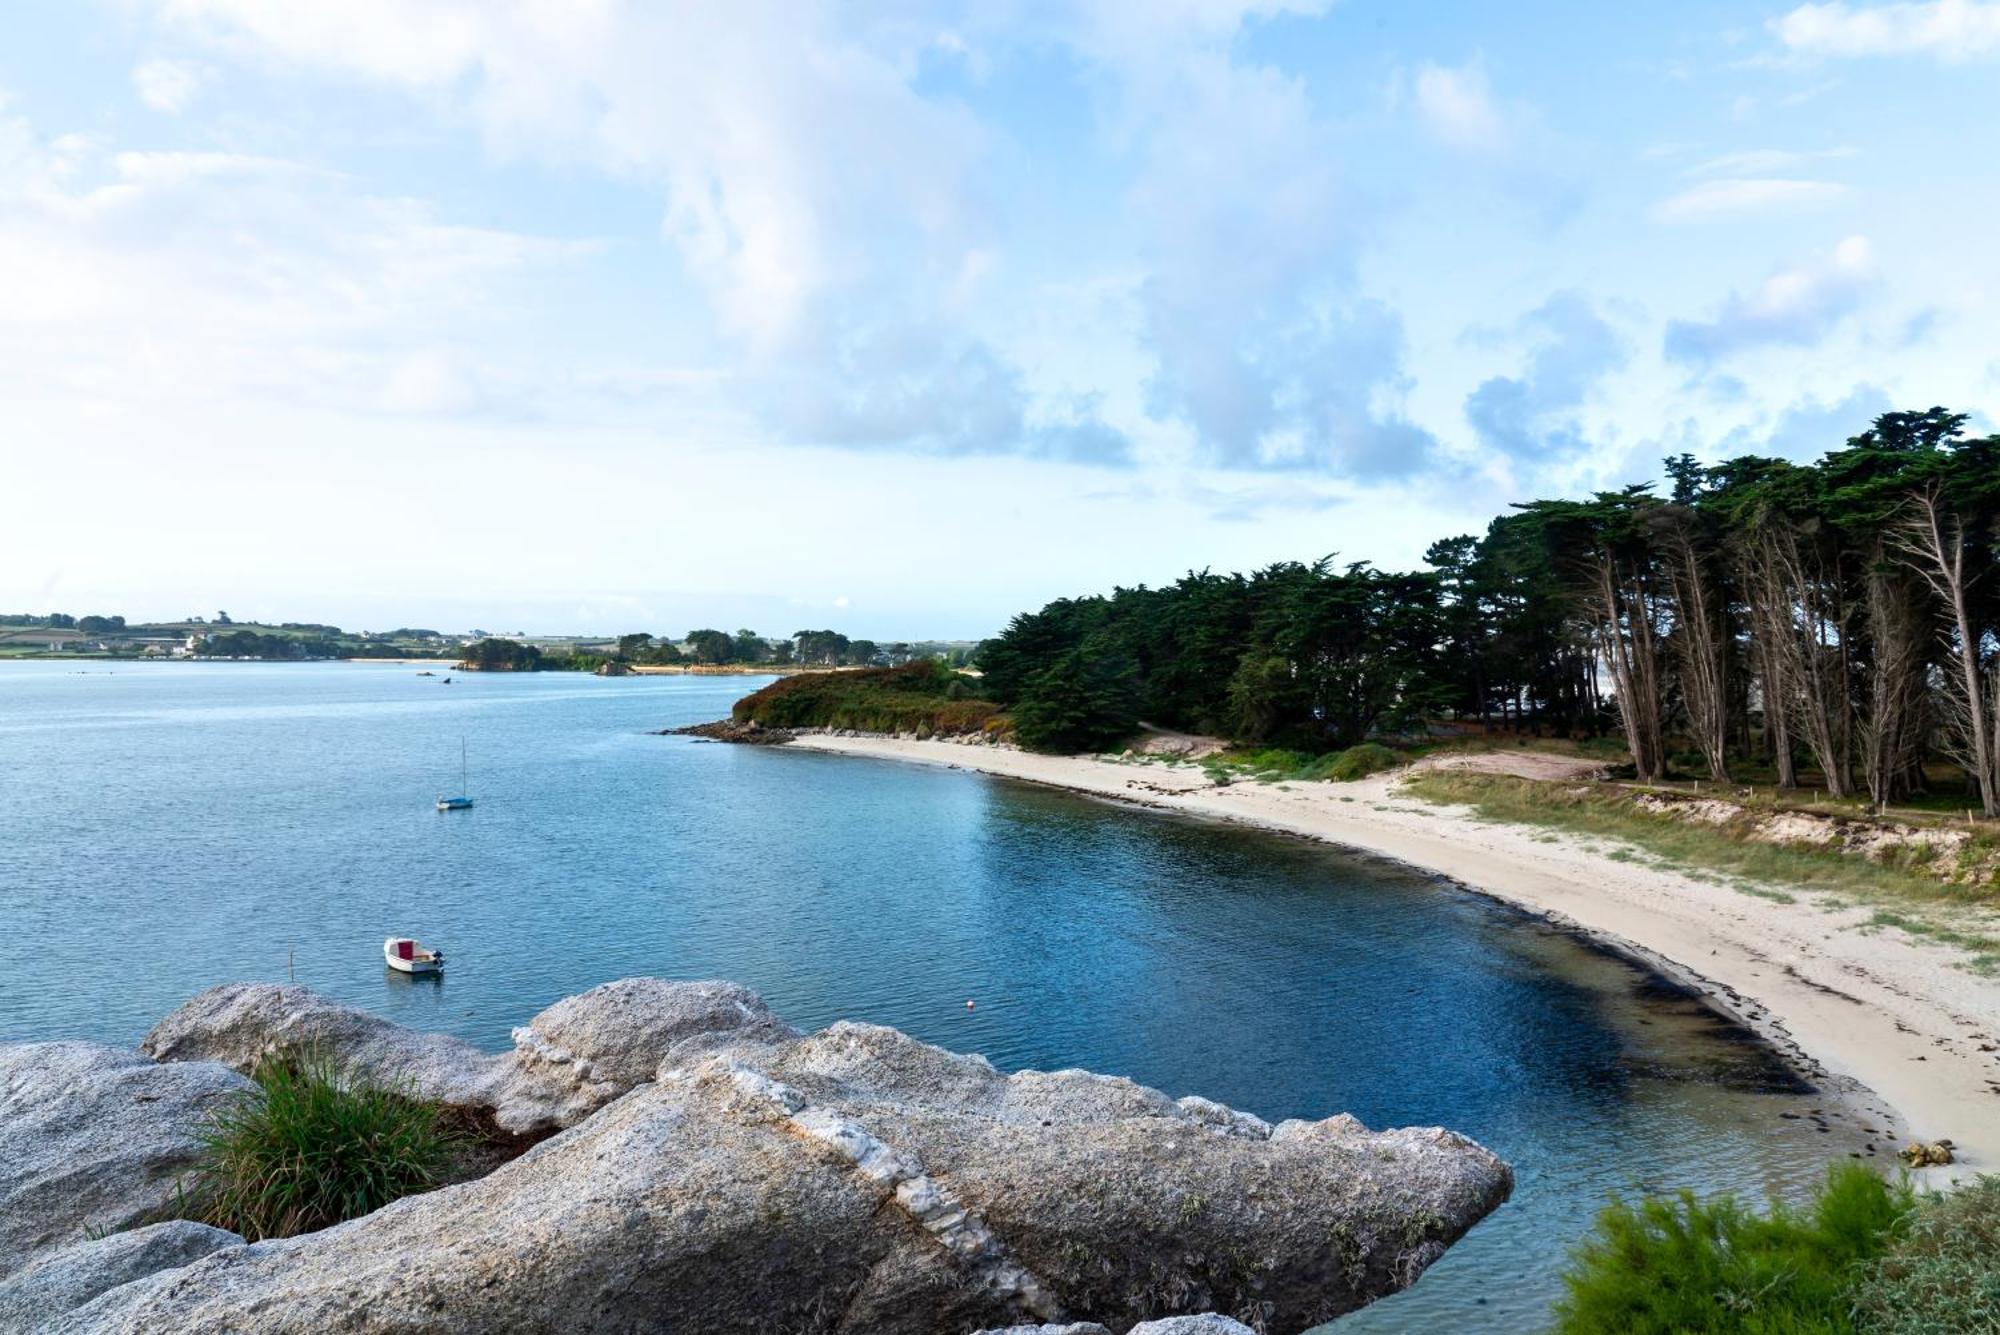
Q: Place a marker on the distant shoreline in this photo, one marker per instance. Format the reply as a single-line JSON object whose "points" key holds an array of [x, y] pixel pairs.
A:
{"points": [[1889, 1027]]}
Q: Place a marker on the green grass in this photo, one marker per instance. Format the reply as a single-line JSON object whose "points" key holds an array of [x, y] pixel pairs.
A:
{"points": [[1681, 1266], [312, 1146]]}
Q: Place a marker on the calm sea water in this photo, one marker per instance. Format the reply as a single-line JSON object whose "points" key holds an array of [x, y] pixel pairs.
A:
{"points": [[167, 827]]}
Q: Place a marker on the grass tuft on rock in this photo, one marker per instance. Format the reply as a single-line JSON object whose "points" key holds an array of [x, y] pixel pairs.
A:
{"points": [[314, 1145]]}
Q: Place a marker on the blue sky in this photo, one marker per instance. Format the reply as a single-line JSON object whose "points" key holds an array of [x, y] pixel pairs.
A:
{"points": [[902, 317]]}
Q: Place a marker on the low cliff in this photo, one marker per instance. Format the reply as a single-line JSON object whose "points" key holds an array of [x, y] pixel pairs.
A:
{"points": [[712, 1169]]}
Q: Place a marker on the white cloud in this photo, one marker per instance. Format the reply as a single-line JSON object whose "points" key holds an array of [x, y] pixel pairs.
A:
{"points": [[1534, 416], [1457, 106], [1797, 307], [205, 277], [833, 215], [1745, 196], [1764, 162], [1947, 29], [168, 85]]}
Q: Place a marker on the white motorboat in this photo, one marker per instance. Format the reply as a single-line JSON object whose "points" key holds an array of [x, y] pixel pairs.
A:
{"points": [[405, 955]]}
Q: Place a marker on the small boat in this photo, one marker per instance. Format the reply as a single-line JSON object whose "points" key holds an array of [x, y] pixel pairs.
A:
{"points": [[460, 803], [427, 673], [404, 955]]}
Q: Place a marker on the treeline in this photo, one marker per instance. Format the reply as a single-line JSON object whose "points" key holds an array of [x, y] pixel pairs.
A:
{"points": [[1839, 619], [89, 625], [817, 648], [251, 644]]}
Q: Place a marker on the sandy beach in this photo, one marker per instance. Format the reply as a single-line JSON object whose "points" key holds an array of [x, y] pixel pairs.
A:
{"points": [[1890, 1027]]}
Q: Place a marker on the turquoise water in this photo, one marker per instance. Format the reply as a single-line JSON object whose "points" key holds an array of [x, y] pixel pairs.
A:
{"points": [[171, 826]]}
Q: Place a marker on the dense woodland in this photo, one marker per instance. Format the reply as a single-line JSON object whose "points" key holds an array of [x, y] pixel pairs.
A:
{"points": [[1834, 623]]}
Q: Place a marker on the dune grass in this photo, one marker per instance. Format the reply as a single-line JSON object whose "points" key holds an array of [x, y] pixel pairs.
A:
{"points": [[1906, 898], [312, 1146]]}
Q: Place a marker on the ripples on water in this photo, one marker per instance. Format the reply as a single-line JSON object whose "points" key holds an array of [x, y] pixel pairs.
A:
{"points": [[172, 826]]}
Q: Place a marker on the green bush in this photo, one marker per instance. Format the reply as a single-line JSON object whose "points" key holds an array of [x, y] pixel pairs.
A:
{"points": [[1276, 764], [1358, 762], [1680, 1266], [313, 1146], [1942, 1270]]}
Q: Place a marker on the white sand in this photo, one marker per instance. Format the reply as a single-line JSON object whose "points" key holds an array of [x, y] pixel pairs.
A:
{"points": [[1875, 1010]]}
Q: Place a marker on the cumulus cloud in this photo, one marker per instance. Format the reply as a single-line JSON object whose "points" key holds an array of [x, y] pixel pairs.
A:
{"points": [[168, 85], [135, 277], [802, 177], [1457, 106], [1744, 196], [1950, 30], [1796, 307], [832, 207], [1533, 416], [1264, 343]]}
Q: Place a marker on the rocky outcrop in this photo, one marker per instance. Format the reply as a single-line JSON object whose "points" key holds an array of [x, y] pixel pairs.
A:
{"points": [[242, 1024], [73, 1276], [567, 1062], [729, 730], [1206, 1324], [853, 1180], [93, 1138]]}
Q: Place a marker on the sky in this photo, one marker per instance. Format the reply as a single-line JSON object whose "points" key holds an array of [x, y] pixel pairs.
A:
{"points": [[903, 317]]}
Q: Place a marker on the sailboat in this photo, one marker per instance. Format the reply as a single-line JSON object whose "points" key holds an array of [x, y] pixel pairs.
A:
{"points": [[460, 803]]}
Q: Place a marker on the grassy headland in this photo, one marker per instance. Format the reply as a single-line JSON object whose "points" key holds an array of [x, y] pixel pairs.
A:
{"points": [[925, 698]]}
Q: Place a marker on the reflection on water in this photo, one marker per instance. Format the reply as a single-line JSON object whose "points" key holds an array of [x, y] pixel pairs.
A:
{"points": [[174, 826]]}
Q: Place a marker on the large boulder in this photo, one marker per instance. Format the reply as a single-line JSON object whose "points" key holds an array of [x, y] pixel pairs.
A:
{"points": [[71, 1277], [94, 1138], [567, 1062], [586, 1050], [242, 1024], [860, 1181]]}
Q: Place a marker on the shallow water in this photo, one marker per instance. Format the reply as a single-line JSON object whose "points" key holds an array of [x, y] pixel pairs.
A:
{"points": [[165, 827]]}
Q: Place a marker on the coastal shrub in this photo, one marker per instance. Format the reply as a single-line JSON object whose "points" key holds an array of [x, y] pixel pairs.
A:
{"points": [[1358, 762], [1275, 764], [1942, 1269], [1679, 1266], [916, 697], [311, 1146]]}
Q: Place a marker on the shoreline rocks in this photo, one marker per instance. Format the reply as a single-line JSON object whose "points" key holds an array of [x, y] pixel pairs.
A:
{"points": [[94, 1138], [718, 1171]]}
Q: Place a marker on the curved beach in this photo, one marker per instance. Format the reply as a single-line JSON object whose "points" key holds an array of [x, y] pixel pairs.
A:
{"points": [[1892, 1026]]}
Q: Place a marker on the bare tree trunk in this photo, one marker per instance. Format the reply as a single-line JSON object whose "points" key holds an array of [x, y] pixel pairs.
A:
{"points": [[1810, 651], [1934, 547], [1770, 624], [1895, 688], [1625, 639], [1701, 643]]}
